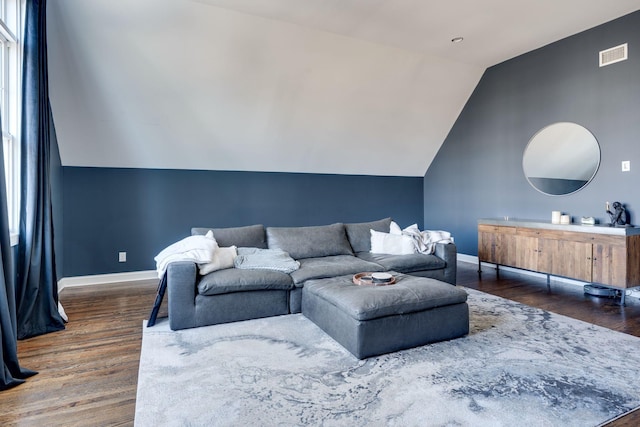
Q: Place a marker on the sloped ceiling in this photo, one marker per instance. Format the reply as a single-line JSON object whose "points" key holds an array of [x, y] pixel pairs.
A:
{"points": [[323, 86]]}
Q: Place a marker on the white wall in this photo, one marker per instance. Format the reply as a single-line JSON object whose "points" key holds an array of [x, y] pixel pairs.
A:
{"points": [[184, 85]]}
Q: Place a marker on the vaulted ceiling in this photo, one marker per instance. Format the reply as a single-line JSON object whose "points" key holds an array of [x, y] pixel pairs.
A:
{"points": [[323, 86]]}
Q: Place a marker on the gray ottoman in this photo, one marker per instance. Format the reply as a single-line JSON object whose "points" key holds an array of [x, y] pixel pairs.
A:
{"points": [[373, 320]]}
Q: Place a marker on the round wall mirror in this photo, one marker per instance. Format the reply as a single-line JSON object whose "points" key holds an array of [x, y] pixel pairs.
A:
{"points": [[561, 159]]}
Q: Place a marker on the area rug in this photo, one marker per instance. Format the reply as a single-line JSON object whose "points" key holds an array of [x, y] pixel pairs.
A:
{"points": [[518, 366]]}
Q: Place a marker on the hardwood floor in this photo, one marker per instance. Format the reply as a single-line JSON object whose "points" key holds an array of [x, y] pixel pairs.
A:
{"points": [[88, 372]]}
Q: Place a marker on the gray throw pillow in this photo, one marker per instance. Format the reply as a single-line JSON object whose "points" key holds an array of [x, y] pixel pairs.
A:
{"points": [[359, 234]]}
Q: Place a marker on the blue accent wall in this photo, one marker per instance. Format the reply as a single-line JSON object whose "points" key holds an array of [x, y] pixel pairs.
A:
{"points": [[478, 173], [141, 211], [57, 198]]}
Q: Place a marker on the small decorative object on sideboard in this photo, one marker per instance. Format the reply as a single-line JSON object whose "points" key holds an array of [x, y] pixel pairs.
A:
{"points": [[565, 219], [555, 217], [588, 220], [618, 216]]}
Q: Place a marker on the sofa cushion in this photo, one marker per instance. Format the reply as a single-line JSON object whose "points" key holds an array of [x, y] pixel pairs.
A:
{"points": [[360, 236], [309, 242], [404, 263], [236, 280], [330, 266], [251, 236]]}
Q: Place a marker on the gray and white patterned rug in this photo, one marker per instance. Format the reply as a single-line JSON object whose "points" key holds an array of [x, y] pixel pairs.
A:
{"points": [[518, 366]]}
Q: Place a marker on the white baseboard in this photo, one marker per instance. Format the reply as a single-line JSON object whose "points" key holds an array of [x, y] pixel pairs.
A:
{"points": [[100, 279], [471, 259]]}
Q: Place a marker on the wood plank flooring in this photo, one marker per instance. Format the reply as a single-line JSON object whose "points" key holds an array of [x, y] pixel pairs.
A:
{"points": [[88, 372]]}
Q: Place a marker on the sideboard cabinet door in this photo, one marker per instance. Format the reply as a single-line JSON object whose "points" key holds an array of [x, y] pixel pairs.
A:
{"points": [[527, 252], [566, 258], [610, 264], [497, 245]]}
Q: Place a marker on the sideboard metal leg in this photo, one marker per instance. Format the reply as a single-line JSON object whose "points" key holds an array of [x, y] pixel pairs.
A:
{"points": [[497, 271], [548, 283], [623, 294]]}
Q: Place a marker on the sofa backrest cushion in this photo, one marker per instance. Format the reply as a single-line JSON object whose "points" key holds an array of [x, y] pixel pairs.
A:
{"points": [[359, 234], [250, 236], [309, 242]]}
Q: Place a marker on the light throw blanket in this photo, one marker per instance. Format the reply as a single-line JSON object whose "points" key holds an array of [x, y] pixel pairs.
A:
{"points": [[265, 259], [198, 249], [425, 241], [407, 241]]}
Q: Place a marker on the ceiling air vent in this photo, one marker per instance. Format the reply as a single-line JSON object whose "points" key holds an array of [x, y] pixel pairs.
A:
{"points": [[613, 55]]}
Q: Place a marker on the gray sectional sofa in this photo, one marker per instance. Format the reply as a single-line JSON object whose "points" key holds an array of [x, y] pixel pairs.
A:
{"points": [[233, 294]]}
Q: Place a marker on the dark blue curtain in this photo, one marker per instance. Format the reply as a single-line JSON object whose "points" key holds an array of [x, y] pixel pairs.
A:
{"points": [[37, 286], [12, 374]]}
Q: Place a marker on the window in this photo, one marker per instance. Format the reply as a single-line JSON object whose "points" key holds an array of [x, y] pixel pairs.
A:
{"points": [[10, 92]]}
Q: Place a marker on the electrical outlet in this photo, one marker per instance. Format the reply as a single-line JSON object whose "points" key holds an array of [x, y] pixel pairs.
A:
{"points": [[122, 257], [626, 166]]}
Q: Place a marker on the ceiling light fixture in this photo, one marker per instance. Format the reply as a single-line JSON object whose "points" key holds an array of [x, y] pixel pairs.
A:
{"points": [[457, 39]]}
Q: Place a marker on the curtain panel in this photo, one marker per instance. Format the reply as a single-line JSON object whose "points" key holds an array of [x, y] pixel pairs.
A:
{"points": [[37, 287], [11, 374]]}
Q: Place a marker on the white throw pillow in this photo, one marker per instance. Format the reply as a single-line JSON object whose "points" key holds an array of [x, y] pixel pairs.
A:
{"points": [[394, 228], [392, 244], [222, 258]]}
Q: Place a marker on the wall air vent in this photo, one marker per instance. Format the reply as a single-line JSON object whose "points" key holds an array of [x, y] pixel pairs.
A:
{"points": [[613, 55]]}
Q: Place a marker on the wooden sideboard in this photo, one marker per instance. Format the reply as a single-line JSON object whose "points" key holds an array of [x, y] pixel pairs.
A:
{"points": [[608, 256]]}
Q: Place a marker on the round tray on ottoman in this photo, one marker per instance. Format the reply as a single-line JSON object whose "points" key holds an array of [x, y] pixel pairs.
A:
{"points": [[373, 279]]}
